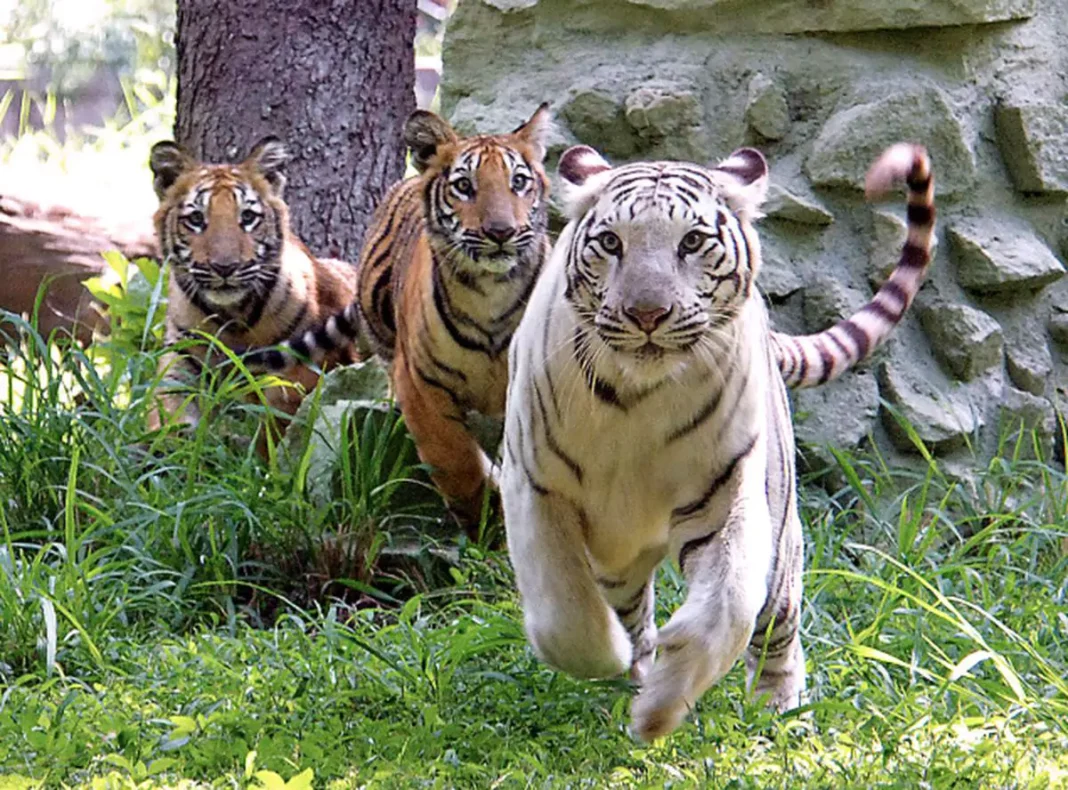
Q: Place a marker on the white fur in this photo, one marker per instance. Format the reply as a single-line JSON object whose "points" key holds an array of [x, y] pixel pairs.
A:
{"points": [[631, 484]]}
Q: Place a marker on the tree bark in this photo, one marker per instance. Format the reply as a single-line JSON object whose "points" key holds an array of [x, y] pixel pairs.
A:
{"points": [[334, 79]]}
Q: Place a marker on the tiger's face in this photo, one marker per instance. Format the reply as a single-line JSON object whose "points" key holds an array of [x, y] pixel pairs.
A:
{"points": [[485, 196], [221, 226], [663, 255]]}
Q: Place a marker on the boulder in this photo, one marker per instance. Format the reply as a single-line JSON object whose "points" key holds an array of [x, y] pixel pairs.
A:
{"points": [[667, 117], [827, 302], [966, 340], [597, 118], [779, 277], [1028, 420], [1029, 362], [791, 16], [781, 203], [942, 417], [996, 255], [766, 110], [839, 414], [858, 132], [1058, 328], [1033, 139]]}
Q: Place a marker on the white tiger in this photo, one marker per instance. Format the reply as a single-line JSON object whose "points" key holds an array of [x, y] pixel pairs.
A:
{"points": [[647, 417]]}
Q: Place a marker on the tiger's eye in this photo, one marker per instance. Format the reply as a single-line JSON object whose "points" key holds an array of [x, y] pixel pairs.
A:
{"points": [[249, 217], [463, 186], [195, 219], [692, 242], [610, 242], [519, 182]]}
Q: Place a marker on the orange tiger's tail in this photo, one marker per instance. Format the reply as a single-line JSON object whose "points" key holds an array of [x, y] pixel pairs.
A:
{"points": [[808, 360], [337, 332]]}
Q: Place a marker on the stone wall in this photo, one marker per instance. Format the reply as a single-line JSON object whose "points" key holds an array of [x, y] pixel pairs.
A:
{"points": [[821, 86]]}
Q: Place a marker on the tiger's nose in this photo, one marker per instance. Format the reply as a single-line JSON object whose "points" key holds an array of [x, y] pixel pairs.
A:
{"points": [[225, 269], [647, 317], [498, 233]]}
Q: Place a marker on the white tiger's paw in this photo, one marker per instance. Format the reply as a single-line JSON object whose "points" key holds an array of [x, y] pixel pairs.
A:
{"points": [[783, 694], [668, 692]]}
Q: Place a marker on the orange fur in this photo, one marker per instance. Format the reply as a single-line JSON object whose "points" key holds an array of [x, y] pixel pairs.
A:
{"points": [[237, 270]]}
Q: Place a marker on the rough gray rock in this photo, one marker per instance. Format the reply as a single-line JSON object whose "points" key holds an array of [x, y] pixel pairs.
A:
{"points": [[1027, 419], [943, 417], [968, 341], [766, 110], [669, 117], [855, 135], [1058, 328], [779, 277], [827, 301], [888, 237], [790, 16], [840, 415], [999, 255], [1033, 139], [597, 118], [1029, 362], [781, 203], [695, 79], [351, 390]]}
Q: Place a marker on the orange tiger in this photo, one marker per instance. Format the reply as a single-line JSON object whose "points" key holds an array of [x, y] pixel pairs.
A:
{"points": [[442, 280], [237, 271]]}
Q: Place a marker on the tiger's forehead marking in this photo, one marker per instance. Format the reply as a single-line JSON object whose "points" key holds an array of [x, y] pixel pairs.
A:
{"points": [[487, 152], [672, 188], [211, 183]]}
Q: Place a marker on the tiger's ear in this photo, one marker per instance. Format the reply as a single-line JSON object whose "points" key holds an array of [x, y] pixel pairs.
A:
{"points": [[535, 132], [270, 156], [746, 184], [424, 133], [583, 174], [167, 161]]}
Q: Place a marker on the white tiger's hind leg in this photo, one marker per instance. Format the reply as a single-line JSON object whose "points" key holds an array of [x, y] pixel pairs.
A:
{"points": [[727, 572], [567, 619]]}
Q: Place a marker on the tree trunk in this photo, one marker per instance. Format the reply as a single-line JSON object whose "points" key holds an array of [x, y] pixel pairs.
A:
{"points": [[334, 79]]}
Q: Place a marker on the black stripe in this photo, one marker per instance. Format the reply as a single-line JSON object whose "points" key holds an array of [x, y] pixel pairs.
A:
{"points": [[438, 384], [550, 440], [919, 214], [295, 321], [881, 310], [913, 256], [857, 335], [698, 504], [448, 369], [917, 183], [894, 289], [826, 357], [632, 604], [346, 327], [458, 337]]}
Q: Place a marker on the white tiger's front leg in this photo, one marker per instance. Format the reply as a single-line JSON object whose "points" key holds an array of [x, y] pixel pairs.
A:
{"points": [[726, 571], [568, 621]]}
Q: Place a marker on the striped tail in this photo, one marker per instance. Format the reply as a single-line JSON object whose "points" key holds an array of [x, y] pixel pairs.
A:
{"points": [[816, 359], [339, 331]]}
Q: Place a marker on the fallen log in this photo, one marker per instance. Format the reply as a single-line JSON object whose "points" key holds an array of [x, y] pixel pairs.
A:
{"points": [[60, 247]]}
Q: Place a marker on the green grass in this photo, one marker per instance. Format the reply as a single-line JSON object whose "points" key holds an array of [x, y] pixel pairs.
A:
{"points": [[172, 610]]}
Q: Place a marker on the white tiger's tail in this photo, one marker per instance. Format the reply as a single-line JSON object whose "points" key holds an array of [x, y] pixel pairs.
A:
{"points": [[816, 359]]}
